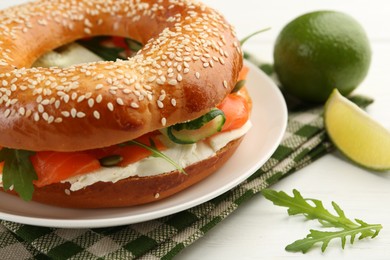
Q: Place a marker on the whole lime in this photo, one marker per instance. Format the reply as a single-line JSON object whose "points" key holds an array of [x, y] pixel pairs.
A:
{"points": [[320, 51]]}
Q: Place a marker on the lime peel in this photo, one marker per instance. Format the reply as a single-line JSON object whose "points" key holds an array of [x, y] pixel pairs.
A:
{"points": [[356, 134], [314, 54]]}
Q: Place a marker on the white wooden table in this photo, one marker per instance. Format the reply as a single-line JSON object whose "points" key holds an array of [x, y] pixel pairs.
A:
{"points": [[259, 230]]}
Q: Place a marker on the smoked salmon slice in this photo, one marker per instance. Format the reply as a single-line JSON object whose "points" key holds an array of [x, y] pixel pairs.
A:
{"points": [[53, 167], [236, 112]]}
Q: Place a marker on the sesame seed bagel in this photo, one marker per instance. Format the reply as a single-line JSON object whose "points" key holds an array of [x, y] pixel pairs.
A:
{"points": [[189, 63]]}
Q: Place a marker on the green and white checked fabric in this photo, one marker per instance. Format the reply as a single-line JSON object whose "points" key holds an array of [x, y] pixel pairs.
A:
{"points": [[305, 140]]}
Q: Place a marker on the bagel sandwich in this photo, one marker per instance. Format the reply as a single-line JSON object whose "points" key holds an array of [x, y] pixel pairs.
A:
{"points": [[97, 134]]}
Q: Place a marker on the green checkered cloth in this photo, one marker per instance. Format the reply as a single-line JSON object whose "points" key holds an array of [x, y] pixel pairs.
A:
{"points": [[305, 140]]}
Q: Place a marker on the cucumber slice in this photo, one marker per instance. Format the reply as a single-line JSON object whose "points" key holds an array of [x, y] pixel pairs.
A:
{"points": [[197, 129]]}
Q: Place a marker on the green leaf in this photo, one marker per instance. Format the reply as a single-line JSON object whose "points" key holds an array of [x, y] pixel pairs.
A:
{"points": [[324, 237], [252, 34], [313, 209], [18, 172], [267, 68], [133, 44], [239, 85]]}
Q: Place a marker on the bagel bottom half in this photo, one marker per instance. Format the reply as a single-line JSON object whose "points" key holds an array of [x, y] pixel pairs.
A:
{"points": [[134, 190]]}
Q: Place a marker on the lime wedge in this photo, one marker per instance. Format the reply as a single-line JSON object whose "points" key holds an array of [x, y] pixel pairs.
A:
{"points": [[356, 134]]}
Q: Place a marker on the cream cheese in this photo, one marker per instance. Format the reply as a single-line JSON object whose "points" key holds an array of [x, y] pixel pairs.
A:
{"points": [[184, 155]]}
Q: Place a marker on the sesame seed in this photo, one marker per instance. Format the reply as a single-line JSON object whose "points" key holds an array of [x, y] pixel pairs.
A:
{"points": [[65, 113], [41, 109], [99, 98], [163, 121], [160, 104], [87, 31], [73, 112], [225, 84], [45, 102], [74, 96], [45, 116], [152, 78], [42, 22], [80, 98], [96, 114], [50, 119], [110, 106], [66, 98], [91, 102], [36, 117], [39, 99], [197, 75], [7, 112], [80, 114], [88, 23], [58, 120], [120, 101], [172, 82], [22, 111], [134, 105]]}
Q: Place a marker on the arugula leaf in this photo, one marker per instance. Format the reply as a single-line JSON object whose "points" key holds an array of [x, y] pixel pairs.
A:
{"points": [[18, 172], [156, 153], [299, 205], [133, 44], [242, 41], [238, 85]]}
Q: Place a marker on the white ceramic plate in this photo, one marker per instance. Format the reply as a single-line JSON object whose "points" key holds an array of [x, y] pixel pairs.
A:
{"points": [[269, 118]]}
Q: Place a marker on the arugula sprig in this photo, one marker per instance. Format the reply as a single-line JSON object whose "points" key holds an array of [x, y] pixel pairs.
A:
{"points": [[347, 228], [18, 172], [156, 153], [245, 39]]}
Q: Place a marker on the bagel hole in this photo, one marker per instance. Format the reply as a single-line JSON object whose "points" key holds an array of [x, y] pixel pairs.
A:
{"points": [[93, 49]]}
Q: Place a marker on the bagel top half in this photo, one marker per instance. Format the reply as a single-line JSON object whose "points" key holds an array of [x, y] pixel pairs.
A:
{"points": [[189, 63]]}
